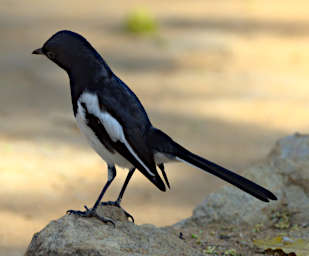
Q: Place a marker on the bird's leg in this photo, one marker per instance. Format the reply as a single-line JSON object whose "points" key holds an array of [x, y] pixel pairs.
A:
{"points": [[92, 211], [118, 201]]}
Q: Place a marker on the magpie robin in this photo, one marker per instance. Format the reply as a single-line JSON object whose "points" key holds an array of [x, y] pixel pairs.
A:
{"points": [[116, 125]]}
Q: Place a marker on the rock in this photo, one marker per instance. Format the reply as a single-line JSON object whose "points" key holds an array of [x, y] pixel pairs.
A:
{"points": [[284, 172], [113, 213], [73, 235], [290, 158]]}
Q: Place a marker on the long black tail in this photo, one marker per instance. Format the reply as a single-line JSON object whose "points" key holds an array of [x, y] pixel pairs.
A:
{"points": [[166, 145], [231, 177]]}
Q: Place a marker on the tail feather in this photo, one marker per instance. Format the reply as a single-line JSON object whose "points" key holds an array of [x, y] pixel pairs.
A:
{"points": [[164, 144], [161, 166], [229, 176]]}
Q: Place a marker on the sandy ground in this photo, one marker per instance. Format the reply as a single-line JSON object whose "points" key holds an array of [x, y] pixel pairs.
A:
{"points": [[224, 78]]}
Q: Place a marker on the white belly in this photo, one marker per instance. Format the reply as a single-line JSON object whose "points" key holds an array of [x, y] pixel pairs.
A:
{"points": [[110, 158]]}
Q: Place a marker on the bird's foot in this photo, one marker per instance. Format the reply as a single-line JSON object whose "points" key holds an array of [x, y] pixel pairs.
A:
{"points": [[117, 204], [88, 213]]}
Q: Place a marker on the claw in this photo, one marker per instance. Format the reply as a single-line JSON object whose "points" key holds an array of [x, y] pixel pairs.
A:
{"points": [[129, 216], [91, 213]]}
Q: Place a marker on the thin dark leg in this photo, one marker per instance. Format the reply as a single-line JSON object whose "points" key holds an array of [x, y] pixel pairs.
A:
{"points": [[125, 184], [118, 201], [111, 177], [92, 212]]}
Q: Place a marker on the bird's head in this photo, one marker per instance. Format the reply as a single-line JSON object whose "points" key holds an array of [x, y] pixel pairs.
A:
{"points": [[69, 50]]}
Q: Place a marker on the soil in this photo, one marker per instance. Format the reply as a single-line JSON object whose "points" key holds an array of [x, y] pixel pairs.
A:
{"points": [[282, 234]]}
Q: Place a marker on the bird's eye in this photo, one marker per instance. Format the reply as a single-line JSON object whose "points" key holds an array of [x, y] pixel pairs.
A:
{"points": [[51, 55]]}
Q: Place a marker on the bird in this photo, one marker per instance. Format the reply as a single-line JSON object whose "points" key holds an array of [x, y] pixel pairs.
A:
{"points": [[116, 125]]}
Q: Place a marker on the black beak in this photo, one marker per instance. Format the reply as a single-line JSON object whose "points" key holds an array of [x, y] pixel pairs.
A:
{"points": [[38, 51]]}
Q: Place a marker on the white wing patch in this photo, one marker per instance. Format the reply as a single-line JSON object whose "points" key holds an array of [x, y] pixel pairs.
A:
{"points": [[111, 125]]}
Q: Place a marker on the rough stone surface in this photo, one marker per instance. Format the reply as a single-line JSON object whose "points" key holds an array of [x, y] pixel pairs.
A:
{"points": [[71, 235], [285, 172]]}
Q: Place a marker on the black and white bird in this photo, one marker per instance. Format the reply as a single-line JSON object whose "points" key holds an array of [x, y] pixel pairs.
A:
{"points": [[117, 126]]}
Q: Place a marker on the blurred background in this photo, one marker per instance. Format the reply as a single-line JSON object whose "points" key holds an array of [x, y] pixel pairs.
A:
{"points": [[224, 78]]}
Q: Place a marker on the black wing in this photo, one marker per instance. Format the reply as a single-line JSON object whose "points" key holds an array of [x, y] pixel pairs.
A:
{"points": [[123, 105]]}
